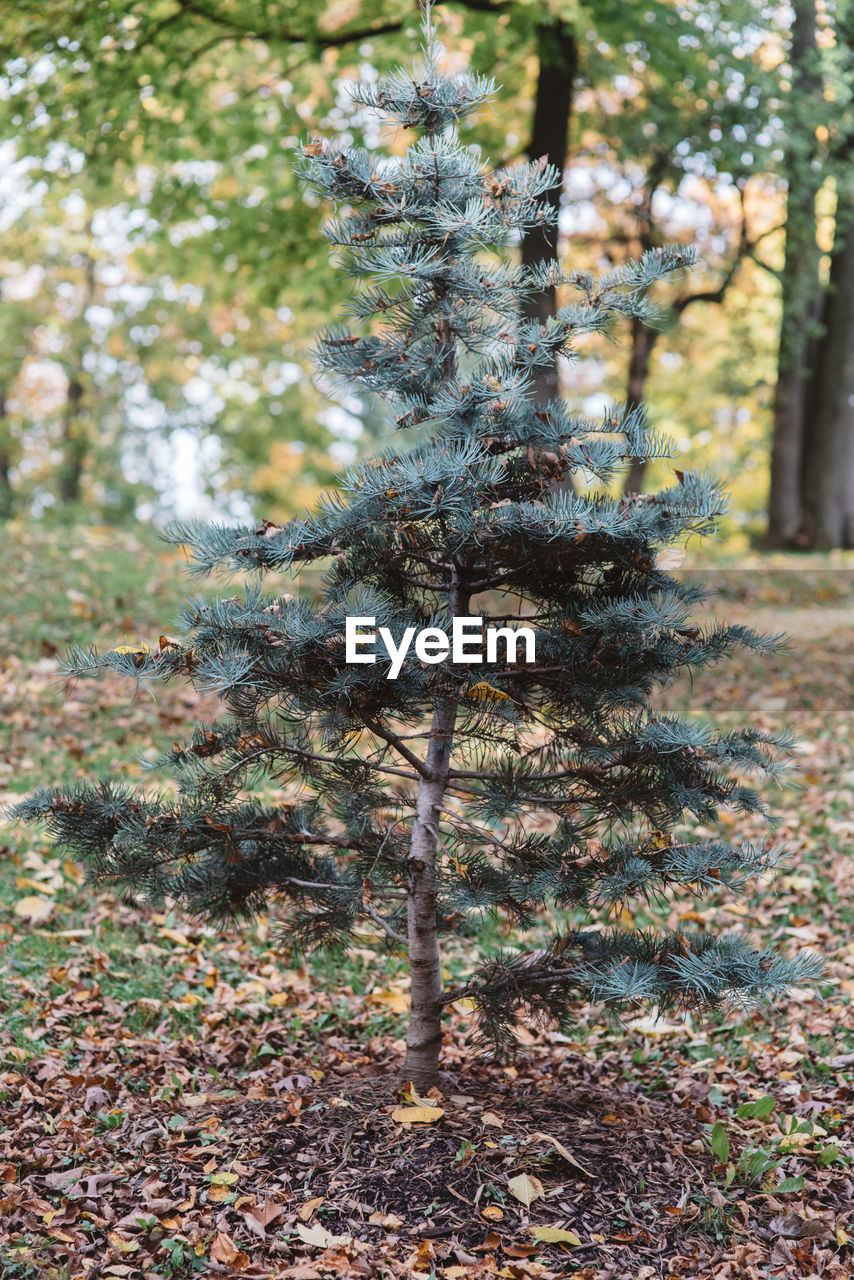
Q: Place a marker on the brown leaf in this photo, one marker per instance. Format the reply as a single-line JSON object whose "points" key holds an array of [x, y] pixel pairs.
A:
{"points": [[306, 1211]]}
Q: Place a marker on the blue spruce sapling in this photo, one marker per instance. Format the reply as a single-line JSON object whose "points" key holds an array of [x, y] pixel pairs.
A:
{"points": [[458, 788]]}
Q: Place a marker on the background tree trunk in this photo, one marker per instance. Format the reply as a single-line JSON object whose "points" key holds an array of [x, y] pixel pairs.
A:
{"points": [[643, 342], [7, 497], [558, 54], [828, 455], [74, 445], [801, 289], [75, 436]]}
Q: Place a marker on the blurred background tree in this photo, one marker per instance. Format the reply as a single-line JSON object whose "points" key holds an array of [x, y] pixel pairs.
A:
{"points": [[162, 275]]}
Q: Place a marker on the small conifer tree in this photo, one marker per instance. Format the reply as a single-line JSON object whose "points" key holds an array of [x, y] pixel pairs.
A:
{"points": [[516, 787]]}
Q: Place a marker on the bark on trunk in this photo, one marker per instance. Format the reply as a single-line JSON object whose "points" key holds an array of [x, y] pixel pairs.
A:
{"points": [[801, 290], [828, 464], [424, 1034], [643, 342], [558, 57]]}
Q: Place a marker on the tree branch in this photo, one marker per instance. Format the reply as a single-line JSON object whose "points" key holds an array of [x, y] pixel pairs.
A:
{"points": [[400, 746]]}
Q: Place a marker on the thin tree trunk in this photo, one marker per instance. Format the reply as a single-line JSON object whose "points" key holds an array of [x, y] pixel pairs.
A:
{"points": [[828, 474], [643, 342], [800, 288], [74, 445], [6, 494], [75, 438], [558, 56], [424, 1034]]}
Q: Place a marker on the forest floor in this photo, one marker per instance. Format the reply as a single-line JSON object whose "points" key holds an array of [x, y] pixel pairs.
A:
{"points": [[178, 1102]]}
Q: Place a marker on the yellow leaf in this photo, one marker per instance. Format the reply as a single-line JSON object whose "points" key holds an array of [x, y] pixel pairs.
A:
{"points": [[278, 998], [218, 1195], [122, 1243], [408, 1093], [525, 1188], [223, 1179], [417, 1115], [33, 908], [137, 650], [492, 1212], [305, 1211], [555, 1235], [395, 1001], [26, 882], [174, 935], [484, 692]]}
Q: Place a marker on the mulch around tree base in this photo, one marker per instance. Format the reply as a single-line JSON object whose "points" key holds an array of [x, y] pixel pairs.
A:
{"points": [[316, 1177]]}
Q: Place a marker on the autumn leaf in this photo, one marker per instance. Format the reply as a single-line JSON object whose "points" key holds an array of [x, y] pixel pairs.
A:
{"points": [[395, 1001], [318, 1237], [564, 1153], [306, 1211], [484, 692], [225, 1250], [33, 908], [417, 1115], [555, 1235], [526, 1188]]}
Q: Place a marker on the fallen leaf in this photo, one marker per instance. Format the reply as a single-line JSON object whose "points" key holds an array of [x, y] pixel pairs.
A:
{"points": [[526, 1188], [565, 1153], [417, 1115], [224, 1249], [395, 1001], [555, 1235], [33, 908], [492, 1213], [318, 1237], [306, 1211], [388, 1220]]}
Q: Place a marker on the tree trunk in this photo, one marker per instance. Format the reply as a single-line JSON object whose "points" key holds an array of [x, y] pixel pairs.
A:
{"points": [[643, 342], [558, 57], [74, 445], [828, 463], [6, 494], [424, 1034], [801, 290]]}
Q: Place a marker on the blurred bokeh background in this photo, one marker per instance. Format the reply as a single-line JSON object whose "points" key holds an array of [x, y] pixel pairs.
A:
{"points": [[162, 273]]}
